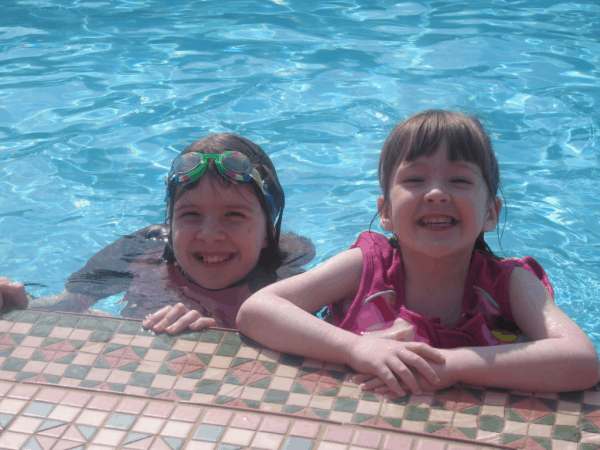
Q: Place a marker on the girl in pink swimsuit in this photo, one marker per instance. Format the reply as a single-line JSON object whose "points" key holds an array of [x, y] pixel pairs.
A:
{"points": [[449, 309]]}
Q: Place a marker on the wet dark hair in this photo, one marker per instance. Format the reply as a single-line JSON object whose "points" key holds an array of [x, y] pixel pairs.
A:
{"points": [[270, 256], [421, 135]]}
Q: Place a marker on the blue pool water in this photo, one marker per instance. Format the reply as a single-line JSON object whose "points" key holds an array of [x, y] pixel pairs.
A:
{"points": [[97, 97]]}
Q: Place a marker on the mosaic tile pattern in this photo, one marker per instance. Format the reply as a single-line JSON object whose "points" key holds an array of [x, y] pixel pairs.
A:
{"points": [[88, 382]]}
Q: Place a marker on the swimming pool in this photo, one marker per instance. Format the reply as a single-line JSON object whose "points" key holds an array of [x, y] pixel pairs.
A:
{"points": [[98, 97]]}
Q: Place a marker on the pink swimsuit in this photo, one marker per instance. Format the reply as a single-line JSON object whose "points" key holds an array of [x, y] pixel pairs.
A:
{"points": [[486, 319]]}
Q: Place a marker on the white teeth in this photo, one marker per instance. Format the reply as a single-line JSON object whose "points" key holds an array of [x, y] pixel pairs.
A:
{"points": [[438, 222], [214, 259]]}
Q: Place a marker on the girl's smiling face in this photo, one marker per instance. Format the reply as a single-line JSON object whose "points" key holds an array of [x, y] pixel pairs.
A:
{"points": [[218, 232], [438, 207]]}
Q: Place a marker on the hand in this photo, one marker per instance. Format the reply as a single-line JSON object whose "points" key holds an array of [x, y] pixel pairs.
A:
{"points": [[368, 382], [174, 319], [12, 294], [387, 359]]}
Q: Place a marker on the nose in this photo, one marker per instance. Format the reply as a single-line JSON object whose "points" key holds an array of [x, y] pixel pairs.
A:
{"points": [[436, 194], [211, 230]]}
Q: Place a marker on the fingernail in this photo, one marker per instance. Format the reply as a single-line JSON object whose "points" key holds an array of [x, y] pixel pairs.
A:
{"points": [[386, 397]]}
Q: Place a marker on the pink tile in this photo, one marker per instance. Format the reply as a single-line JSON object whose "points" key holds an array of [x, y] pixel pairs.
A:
{"points": [[305, 429], [102, 403], [23, 392], [246, 421], [458, 447], [430, 445], [50, 395], [217, 417], [275, 425], [131, 406], [395, 442], [78, 399], [4, 388], [186, 413], [162, 410], [367, 439], [339, 435]]}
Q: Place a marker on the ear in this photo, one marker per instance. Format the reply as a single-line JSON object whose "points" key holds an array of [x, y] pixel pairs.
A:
{"points": [[493, 213], [385, 216], [265, 241]]}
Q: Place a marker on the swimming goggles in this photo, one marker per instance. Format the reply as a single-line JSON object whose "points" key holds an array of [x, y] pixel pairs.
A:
{"points": [[234, 166]]}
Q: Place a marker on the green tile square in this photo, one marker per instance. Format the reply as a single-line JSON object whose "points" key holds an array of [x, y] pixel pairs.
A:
{"points": [[50, 341], [66, 359], [130, 367], [49, 319], [130, 328], [117, 387], [393, 422], [6, 353], [184, 395], [14, 364], [471, 433], [345, 404], [54, 379], [175, 354], [300, 389], [588, 427], [24, 375], [240, 361], [329, 392], [29, 317], [142, 379], [18, 338], [232, 339], [432, 427], [196, 374], [548, 420], [145, 332], [262, 384], [112, 347], [164, 342], [212, 336], [276, 396], [89, 384], [76, 371], [566, 433], [11, 316], [491, 423], [101, 336], [140, 351], [204, 358], [101, 364], [77, 343], [369, 397], [508, 438], [514, 416], [222, 400], [88, 323], [589, 447], [289, 409], [189, 335], [544, 442], [208, 387], [67, 321], [108, 325], [166, 370], [121, 421], [269, 366], [400, 400], [155, 391], [41, 330], [227, 350], [420, 414], [359, 418], [471, 410]]}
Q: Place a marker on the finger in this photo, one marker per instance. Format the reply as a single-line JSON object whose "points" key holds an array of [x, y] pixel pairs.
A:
{"points": [[421, 366], [156, 317], [361, 377], [428, 352], [390, 380], [183, 323], [14, 294], [373, 384], [407, 377], [203, 322], [172, 316]]}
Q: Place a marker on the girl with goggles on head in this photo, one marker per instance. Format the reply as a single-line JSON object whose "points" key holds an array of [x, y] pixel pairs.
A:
{"points": [[221, 241]]}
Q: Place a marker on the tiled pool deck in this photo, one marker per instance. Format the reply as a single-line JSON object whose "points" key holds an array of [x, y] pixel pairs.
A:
{"points": [[73, 381]]}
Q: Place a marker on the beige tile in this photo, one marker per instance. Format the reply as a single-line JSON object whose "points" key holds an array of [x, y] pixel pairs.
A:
{"points": [[55, 369], [440, 416], [591, 398], [91, 417], [271, 407], [21, 328], [82, 335], [184, 345], [236, 436], [122, 339], [202, 398], [266, 441], [464, 420], [495, 398], [392, 410], [5, 374], [511, 427], [23, 352], [212, 373], [286, 371], [231, 390], [281, 384], [176, 429], [489, 410], [84, 359], [321, 402], [108, 437], [135, 390], [420, 401], [488, 437], [341, 416], [331, 446], [156, 355], [97, 374], [60, 332], [150, 425], [163, 381], [143, 341], [568, 407], [5, 326], [564, 445], [69, 382], [365, 407], [13, 441], [350, 392], [119, 377], [205, 347], [413, 425], [25, 424], [567, 419], [251, 393], [92, 347], [247, 352], [148, 366], [34, 366], [220, 362], [64, 413], [197, 445], [539, 430], [32, 341], [298, 399], [589, 438], [185, 384]]}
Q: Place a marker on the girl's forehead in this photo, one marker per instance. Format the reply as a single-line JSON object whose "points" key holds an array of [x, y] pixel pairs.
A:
{"points": [[440, 157], [211, 193]]}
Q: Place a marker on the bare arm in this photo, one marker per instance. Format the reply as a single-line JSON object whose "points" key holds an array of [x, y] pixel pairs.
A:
{"points": [[277, 316]]}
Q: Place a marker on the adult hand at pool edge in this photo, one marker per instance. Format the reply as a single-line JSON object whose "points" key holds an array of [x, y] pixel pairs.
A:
{"points": [[387, 359], [12, 294], [175, 319]]}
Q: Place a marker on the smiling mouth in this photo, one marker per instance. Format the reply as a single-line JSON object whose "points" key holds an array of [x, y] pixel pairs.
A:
{"points": [[214, 259], [437, 222]]}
